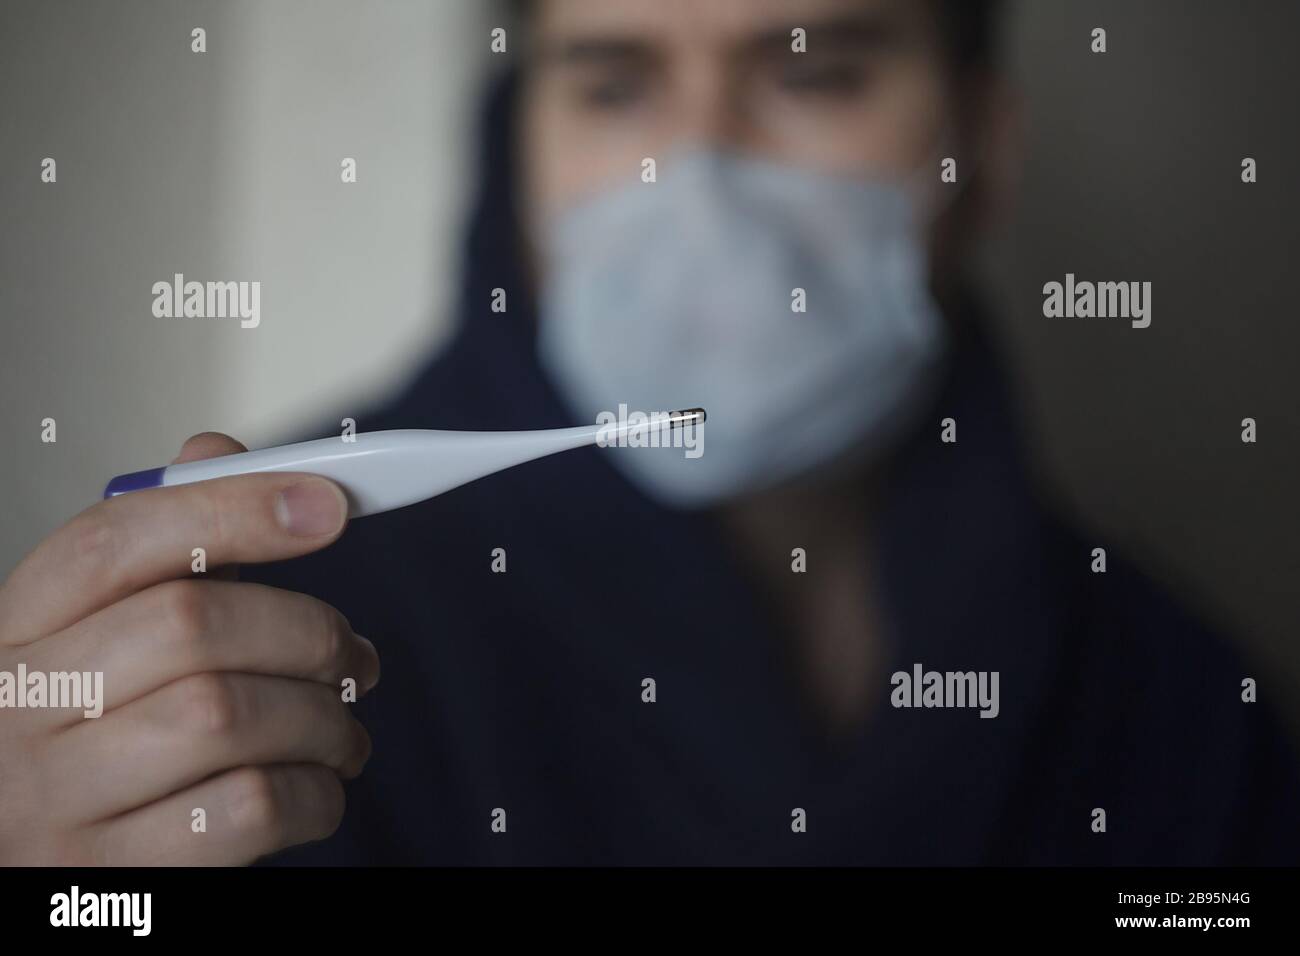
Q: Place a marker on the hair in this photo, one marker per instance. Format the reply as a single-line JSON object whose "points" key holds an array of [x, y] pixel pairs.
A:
{"points": [[970, 32], [968, 28]]}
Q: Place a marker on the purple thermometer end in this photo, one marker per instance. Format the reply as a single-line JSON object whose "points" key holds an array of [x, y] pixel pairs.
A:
{"points": [[135, 481]]}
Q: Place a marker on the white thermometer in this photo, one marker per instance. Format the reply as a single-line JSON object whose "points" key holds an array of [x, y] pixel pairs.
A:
{"points": [[380, 471]]}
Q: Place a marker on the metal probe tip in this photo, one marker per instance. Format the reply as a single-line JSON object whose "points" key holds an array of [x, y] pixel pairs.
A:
{"points": [[687, 416]]}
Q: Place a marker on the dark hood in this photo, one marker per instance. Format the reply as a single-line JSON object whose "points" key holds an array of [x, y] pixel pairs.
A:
{"points": [[489, 365]]}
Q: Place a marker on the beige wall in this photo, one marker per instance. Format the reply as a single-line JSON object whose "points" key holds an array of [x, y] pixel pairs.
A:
{"points": [[222, 165]]}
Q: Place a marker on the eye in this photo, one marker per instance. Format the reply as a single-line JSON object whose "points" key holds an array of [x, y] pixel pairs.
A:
{"points": [[835, 78], [611, 92]]}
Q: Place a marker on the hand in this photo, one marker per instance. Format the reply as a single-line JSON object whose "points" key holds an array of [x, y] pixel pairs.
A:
{"points": [[216, 695]]}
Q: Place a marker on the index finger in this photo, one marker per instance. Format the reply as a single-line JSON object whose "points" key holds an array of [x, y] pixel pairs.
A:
{"points": [[127, 543]]}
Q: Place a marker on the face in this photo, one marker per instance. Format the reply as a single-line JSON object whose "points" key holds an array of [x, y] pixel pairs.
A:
{"points": [[614, 81], [694, 288]]}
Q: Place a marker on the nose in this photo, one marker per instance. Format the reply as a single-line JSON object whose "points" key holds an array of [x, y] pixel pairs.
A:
{"points": [[710, 107]]}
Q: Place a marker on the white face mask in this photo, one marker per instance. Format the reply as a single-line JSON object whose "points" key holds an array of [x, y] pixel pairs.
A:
{"points": [[684, 293]]}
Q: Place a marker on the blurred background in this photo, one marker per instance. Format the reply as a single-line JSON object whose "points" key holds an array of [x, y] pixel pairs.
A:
{"points": [[225, 165]]}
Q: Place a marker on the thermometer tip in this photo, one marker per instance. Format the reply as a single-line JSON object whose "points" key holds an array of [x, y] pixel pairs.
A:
{"points": [[687, 416]]}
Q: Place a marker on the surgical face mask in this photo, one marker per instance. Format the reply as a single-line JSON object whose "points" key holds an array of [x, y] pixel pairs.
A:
{"points": [[792, 305]]}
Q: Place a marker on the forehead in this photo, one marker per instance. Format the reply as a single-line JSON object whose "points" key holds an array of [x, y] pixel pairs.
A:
{"points": [[713, 22]]}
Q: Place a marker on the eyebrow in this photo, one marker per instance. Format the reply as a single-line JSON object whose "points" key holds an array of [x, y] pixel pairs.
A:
{"points": [[844, 34], [596, 49]]}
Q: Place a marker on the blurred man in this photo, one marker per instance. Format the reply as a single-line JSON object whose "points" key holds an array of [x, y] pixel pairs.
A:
{"points": [[844, 634]]}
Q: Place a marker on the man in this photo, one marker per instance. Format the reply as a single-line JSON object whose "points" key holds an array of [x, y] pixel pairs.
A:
{"points": [[629, 656]]}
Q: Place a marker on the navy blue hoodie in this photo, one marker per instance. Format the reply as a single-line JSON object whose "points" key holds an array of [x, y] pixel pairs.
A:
{"points": [[523, 690]]}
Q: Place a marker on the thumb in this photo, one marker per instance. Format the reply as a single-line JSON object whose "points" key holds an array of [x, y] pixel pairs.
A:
{"points": [[211, 445], [207, 445]]}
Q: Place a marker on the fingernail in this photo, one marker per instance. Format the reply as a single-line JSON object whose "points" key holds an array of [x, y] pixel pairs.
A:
{"points": [[372, 671], [310, 508]]}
